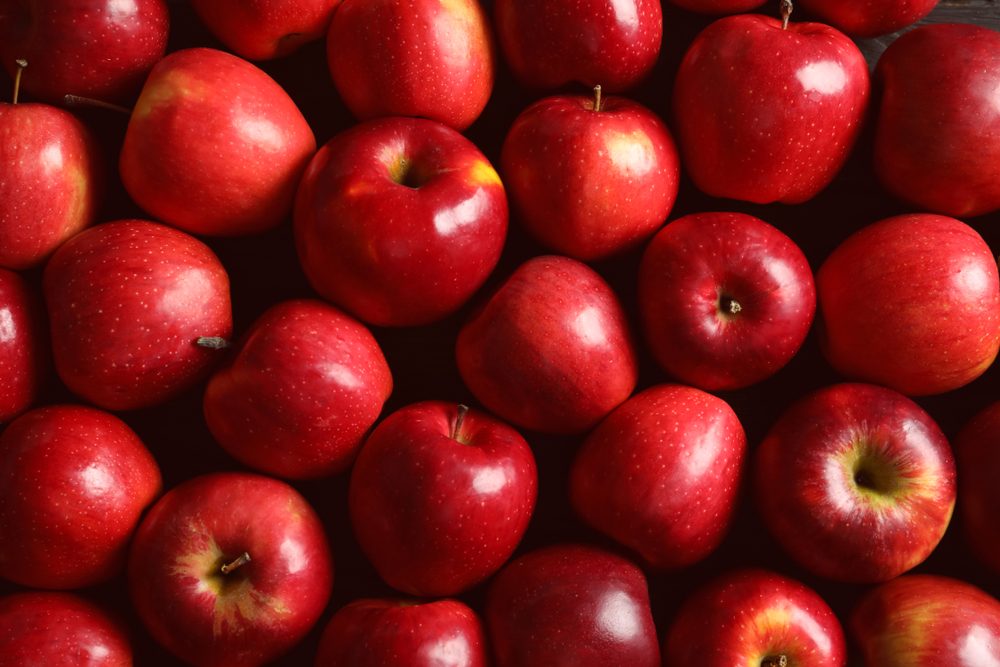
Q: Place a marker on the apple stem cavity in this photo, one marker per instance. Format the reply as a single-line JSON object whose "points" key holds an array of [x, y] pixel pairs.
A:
{"points": [[21, 64], [774, 661], [240, 561], [456, 427], [212, 342], [597, 97], [79, 101], [786, 13]]}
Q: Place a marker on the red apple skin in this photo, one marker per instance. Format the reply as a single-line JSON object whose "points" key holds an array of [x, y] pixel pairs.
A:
{"points": [[691, 275], [748, 616], [300, 393], [100, 49], [254, 613], [244, 181], [439, 504], [550, 350], [933, 77], [127, 302], [977, 450], [588, 183], [397, 633], [856, 482], [266, 29], [23, 353], [571, 606], [869, 18], [59, 630], [768, 115], [926, 621], [550, 43], [718, 6], [73, 484], [913, 287], [399, 221], [674, 509], [419, 58]]}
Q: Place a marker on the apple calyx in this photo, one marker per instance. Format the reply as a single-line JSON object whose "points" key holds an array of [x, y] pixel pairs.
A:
{"points": [[597, 98], [786, 13], [728, 305], [456, 427], [80, 101], [21, 64], [212, 342], [775, 661], [239, 562]]}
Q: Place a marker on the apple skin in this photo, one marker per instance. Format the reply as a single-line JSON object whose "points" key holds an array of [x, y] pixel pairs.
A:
{"points": [[23, 350], [439, 502], [550, 350], [73, 484], [571, 606], [421, 58], [266, 29], [768, 115], [926, 621], [869, 18], [252, 614], [676, 509], [718, 6], [856, 482], [59, 630], [588, 183], [242, 182], [748, 616], [977, 450], [127, 302], [913, 287], [691, 275], [399, 221], [300, 393], [397, 633], [934, 77], [550, 43]]}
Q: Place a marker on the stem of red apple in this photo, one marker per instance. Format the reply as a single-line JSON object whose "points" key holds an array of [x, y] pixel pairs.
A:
{"points": [[212, 342], [240, 561], [774, 661], [456, 428], [597, 97], [78, 101], [786, 13], [21, 64]]}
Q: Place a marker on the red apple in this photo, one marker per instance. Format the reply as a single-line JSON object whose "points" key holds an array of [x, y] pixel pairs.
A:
{"points": [[937, 136], [243, 180], [396, 633], [766, 114], [726, 299], [754, 617], [869, 18], [675, 508], [856, 482], [23, 351], [399, 221], [718, 6], [265, 29], [911, 302], [73, 483], [305, 385], [420, 58], [977, 449], [230, 570], [590, 176], [928, 621], [571, 605], [128, 301], [551, 349]]}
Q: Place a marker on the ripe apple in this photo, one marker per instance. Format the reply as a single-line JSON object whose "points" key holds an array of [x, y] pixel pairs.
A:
{"points": [[230, 570], [675, 509], [571, 605], [718, 6], [551, 349], [766, 114], [243, 180], [421, 58], [726, 299], [977, 450], [127, 303], [590, 176], [399, 221], [23, 352], [856, 482], [265, 29], [73, 483], [937, 135], [869, 18], [912, 303], [927, 621], [754, 617]]}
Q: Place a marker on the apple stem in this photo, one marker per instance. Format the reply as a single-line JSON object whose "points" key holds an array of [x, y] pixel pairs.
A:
{"points": [[78, 101], [597, 97], [456, 428], [786, 13], [212, 342], [21, 64], [242, 560], [774, 661]]}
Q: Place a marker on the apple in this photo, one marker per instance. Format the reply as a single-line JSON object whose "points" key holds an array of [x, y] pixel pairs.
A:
{"points": [[128, 302], [399, 221], [937, 133], [301, 391], [230, 570], [23, 353], [550, 350], [73, 483], [726, 300], [926, 621], [755, 617], [266, 29], [718, 6], [856, 482], [765, 114], [977, 450], [571, 605], [590, 176], [911, 302], [399, 633], [242, 181], [869, 18], [421, 58]]}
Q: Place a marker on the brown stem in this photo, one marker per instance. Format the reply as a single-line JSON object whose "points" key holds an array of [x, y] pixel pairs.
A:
{"points": [[786, 13], [78, 101], [774, 661], [240, 561], [212, 342], [21, 64], [597, 97], [456, 428]]}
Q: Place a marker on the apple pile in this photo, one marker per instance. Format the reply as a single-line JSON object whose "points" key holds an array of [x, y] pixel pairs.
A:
{"points": [[533, 333]]}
